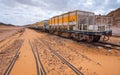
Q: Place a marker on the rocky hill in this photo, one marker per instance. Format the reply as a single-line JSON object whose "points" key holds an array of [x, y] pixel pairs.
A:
{"points": [[116, 17]]}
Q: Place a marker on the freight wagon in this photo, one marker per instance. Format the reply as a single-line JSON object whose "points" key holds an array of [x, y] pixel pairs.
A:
{"points": [[42, 25], [80, 25]]}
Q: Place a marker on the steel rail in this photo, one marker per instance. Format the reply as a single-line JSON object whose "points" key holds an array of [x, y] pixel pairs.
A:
{"points": [[38, 55], [37, 66], [62, 59], [11, 64], [107, 45]]}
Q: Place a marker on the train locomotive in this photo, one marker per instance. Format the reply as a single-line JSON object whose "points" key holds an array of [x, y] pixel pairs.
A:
{"points": [[80, 25]]}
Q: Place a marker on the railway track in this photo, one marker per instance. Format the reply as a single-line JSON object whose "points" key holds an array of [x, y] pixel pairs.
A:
{"points": [[39, 65], [12, 62], [107, 45], [102, 44], [62, 58]]}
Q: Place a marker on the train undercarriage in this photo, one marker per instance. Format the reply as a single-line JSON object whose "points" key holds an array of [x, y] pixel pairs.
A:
{"points": [[79, 35], [82, 35]]}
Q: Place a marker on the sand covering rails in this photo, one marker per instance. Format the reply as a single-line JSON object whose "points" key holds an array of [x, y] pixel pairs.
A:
{"points": [[89, 59]]}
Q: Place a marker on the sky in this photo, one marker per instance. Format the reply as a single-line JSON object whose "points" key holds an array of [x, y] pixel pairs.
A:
{"points": [[23, 12]]}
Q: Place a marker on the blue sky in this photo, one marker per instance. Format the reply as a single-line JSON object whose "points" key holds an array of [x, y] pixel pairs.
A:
{"points": [[22, 12]]}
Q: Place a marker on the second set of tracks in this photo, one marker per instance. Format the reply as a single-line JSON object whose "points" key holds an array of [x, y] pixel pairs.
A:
{"points": [[40, 69], [14, 58], [39, 65]]}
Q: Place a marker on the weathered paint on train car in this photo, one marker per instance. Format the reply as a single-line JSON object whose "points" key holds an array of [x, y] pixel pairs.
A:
{"points": [[60, 20], [73, 18]]}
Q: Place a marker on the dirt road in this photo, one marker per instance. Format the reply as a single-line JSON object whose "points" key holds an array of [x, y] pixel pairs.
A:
{"points": [[88, 59], [25, 64]]}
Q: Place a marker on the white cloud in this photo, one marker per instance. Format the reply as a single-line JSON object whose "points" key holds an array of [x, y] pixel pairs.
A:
{"points": [[118, 1], [21, 12], [88, 4]]}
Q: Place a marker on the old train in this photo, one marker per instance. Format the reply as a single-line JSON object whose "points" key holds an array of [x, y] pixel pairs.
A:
{"points": [[80, 25]]}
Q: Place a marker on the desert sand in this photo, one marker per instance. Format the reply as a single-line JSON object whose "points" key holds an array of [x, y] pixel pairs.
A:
{"points": [[90, 60]]}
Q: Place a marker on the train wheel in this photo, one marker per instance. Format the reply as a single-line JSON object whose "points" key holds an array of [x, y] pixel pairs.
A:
{"points": [[105, 38], [89, 38], [81, 37], [96, 38], [75, 36]]}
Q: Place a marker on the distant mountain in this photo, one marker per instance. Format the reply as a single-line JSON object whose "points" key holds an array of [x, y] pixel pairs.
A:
{"points": [[116, 17], [3, 24]]}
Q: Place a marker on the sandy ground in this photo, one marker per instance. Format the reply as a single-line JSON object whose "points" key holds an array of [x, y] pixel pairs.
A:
{"points": [[88, 59], [7, 31], [114, 40], [52, 64], [8, 47], [25, 65]]}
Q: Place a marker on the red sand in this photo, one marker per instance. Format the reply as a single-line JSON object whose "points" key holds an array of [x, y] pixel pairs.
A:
{"points": [[88, 59]]}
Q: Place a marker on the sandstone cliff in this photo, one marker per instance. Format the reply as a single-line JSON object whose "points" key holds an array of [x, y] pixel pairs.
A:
{"points": [[116, 17]]}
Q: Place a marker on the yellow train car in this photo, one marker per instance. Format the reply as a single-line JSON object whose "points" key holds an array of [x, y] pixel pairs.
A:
{"points": [[52, 22], [34, 25], [40, 24], [49, 21], [77, 24], [73, 20], [56, 22], [65, 22], [60, 20]]}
